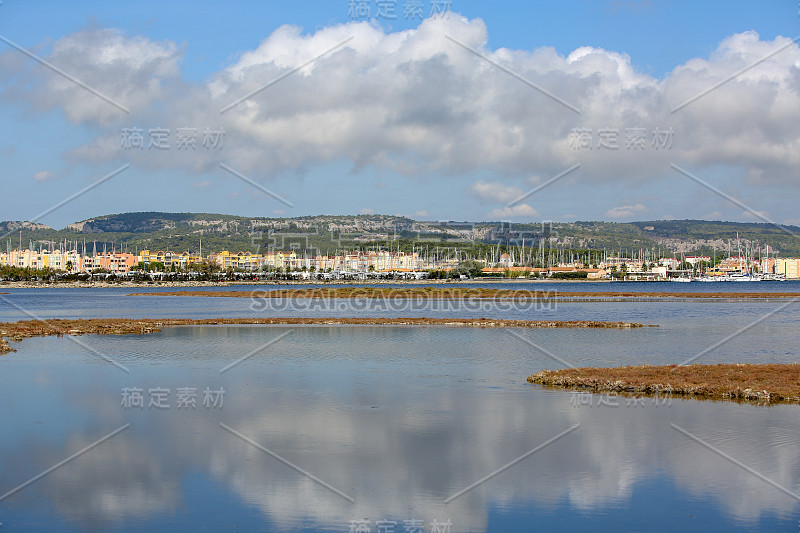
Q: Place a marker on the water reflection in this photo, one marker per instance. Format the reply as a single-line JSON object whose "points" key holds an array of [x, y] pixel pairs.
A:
{"points": [[385, 415]]}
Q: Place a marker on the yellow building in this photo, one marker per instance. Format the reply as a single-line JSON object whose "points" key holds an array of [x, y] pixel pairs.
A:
{"points": [[241, 260], [169, 259], [43, 259], [789, 267]]}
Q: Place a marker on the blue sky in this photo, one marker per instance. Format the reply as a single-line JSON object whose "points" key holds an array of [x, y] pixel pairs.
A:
{"points": [[401, 119]]}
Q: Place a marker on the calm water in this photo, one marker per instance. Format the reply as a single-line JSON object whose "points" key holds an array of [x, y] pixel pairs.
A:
{"points": [[400, 420]]}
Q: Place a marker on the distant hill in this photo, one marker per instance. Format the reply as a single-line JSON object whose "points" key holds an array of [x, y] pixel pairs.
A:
{"points": [[328, 233]]}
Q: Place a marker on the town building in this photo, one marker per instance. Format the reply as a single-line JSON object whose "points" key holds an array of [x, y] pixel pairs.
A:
{"points": [[789, 267]]}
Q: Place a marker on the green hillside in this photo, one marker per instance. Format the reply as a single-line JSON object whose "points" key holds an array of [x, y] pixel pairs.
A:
{"points": [[328, 234]]}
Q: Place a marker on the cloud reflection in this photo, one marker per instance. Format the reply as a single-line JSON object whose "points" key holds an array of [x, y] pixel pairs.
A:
{"points": [[401, 435]]}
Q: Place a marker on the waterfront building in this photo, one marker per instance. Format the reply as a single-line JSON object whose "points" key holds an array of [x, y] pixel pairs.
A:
{"points": [[694, 259], [115, 263], [789, 267], [43, 259], [168, 258]]}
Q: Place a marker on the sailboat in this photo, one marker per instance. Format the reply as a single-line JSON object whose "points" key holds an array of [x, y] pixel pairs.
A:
{"points": [[745, 275], [682, 278]]}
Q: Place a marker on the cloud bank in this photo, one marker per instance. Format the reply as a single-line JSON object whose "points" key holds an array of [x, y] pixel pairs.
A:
{"points": [[416, 102]]}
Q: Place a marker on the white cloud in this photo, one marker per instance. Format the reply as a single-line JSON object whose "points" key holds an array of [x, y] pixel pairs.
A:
{"points": [[366, 211], [422, 214], [132, 72], [202, 184], [379, 101], [44, 175], [518, 211], [495, 192], [626, 211]]}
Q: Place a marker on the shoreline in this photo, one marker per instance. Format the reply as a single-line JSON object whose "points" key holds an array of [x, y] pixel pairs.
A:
{"points": [[178, 284], [17, 331], [269, 283], [764, 384], [456, 293]]}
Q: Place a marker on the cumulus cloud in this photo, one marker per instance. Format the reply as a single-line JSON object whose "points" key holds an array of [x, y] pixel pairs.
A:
{"points": [[413, 101], [626, 211], [518, 211], [130, 72], [366, 211], [44, 175], [495, 192]]}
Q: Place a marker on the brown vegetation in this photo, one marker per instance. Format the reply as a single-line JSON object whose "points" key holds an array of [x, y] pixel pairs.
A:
{"points": [[764, 383], [124, 326], [455, 293]]}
